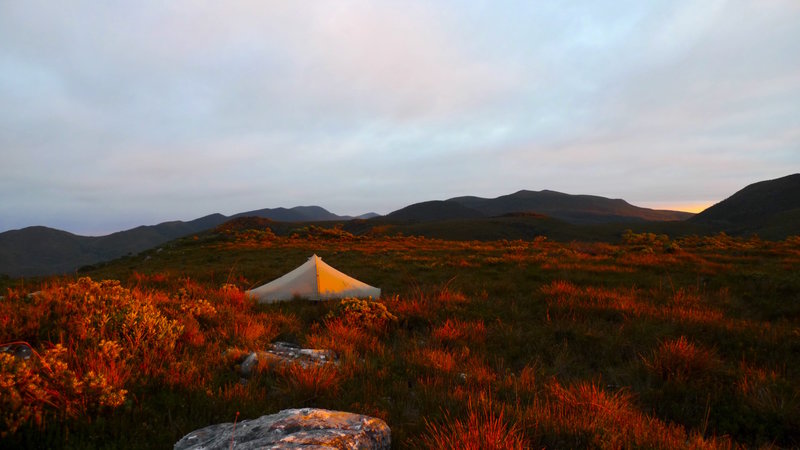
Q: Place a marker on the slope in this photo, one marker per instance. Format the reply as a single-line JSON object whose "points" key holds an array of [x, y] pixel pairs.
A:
{"points": [[43, 251], [296, 214], [433, 211], [770, 208], [575, 209]]}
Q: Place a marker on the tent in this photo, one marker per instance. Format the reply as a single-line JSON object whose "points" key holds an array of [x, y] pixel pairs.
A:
{"points": [[314, 280]]}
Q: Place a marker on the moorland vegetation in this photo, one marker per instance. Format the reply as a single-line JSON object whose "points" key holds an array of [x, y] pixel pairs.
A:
{"points": [[650, 342]]}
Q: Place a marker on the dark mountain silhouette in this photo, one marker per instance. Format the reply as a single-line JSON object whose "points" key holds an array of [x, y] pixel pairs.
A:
{"points": [[770, 208], [369, 215], [43, 251], [296, 214], [37, 250], [433, 211], [575, 209]]}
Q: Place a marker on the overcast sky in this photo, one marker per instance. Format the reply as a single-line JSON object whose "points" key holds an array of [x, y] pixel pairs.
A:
{"points": [[118, 114]]}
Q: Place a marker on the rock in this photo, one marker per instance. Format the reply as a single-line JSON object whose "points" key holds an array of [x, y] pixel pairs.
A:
{"points": [[248, 364], [282, 353], [302, 356], [19, 349], [304, 428]]}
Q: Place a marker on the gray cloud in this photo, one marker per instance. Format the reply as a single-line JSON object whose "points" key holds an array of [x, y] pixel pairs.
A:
{"points": [[117, 115]]}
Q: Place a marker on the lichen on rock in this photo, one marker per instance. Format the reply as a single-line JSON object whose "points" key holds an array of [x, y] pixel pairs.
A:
{"points": [[304, 428]]}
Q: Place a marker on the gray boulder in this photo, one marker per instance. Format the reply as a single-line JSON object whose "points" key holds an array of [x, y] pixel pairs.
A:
{"points": [[306, 428]]}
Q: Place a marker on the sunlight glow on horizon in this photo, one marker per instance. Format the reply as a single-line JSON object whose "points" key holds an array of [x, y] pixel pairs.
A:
{"points": [[690, 207]]}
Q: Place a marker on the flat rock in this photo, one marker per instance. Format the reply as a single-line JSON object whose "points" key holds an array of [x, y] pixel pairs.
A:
{"points": [[282, 353], [303, 356], [306, 428]]}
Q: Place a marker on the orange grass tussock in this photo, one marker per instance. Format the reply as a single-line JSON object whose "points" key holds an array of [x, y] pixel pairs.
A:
{"points": [[310, 381], [681, 306], [585, 416], [346, 340], [481, 429], [681, 360], [454, 331]]}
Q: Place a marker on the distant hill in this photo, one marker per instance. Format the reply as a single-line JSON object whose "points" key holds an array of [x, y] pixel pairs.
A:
{"points": [[510, 226], [434, 211], [369, 215], [522, 226], [575, 209], [37, 250], [44, 251], [296, 214], [770, 208], [41, 250]]}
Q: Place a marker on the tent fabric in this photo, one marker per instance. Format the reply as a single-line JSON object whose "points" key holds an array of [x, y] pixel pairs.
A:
{"points": [[314, 280]]}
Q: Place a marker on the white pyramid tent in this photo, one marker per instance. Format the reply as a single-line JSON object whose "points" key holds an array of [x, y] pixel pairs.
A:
{"points": [[314, 280]]}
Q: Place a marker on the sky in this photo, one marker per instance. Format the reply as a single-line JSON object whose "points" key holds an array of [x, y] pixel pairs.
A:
{"points": [[119, 114]]}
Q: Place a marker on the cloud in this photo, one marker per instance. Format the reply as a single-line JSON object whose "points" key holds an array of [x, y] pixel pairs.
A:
{"points": [[180, 109]]}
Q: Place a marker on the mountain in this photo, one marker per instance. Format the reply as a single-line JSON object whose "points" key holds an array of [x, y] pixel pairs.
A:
{"points": [[434, 211], [527, 214], [296, 214], [369, 215], [41, 250], [770, 208], [575, 209], [55, 251]]}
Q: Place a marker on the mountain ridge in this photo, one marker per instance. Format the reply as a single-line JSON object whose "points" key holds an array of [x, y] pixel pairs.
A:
{"points": [[771, 207], [40, 250], [575, 209], [434, 210]]}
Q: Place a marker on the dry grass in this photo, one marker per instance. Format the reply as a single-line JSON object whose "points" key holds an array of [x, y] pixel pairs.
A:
{"points": [[347, 341], [682, 361], [482, 429], [585, 416], [455, 331], [582, 345], [311, 381]]}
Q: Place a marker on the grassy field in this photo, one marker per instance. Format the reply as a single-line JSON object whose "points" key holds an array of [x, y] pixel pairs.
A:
{"points": [[648, 343]]}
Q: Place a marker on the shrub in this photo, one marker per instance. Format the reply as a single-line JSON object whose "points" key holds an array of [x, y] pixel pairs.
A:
{"points": [[109, 336], [363, 314], [46, 385]]}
